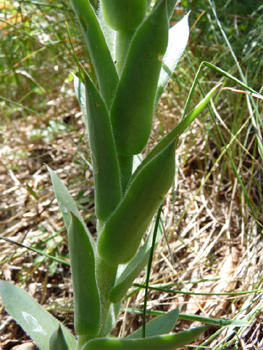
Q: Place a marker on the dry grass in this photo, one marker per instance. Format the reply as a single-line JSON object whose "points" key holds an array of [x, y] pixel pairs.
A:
{"points": [[214, 251], [211, 255]]}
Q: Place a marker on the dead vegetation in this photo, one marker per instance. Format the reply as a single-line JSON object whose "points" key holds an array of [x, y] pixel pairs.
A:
{"points": [[209, 261], [212, 264]]}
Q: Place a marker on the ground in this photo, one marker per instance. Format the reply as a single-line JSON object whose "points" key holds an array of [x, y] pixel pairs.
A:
{"points": [[206, 258]]}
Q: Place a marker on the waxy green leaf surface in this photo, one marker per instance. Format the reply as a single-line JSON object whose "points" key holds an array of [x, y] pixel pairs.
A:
{"points": [[104, 156], [127, 273], [85, 291], [66, 202], [177, 41], [122, 233], [161, 342], [159, 325], [98, 50], [132, 110], [32, 317], [57, 341]]}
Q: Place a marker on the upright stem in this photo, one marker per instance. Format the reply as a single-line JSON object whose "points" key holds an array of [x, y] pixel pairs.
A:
{"points": [[105, 276], [123, 41], [125, 163]]}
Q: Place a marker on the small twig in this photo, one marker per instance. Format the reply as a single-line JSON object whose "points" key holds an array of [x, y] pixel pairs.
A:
{"points": [[243, 92]]}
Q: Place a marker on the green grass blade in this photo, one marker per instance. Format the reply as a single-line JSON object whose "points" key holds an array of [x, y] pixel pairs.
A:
{"points": [[256, 119], [23, 107], [174, 291], [149, 266], [214, 321], [218, 70], [62, 261], [206, 320]]}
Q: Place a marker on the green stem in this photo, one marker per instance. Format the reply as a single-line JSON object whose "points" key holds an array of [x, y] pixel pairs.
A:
{"points": [[105, 276], [123, 41], [125, 163]]}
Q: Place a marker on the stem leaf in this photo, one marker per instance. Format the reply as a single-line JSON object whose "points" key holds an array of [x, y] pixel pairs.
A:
{"points": [[57, 340], [98, 49], [181, 127], [133, 106], [80, 92], [36, 321], [177, 41], [104, 156], [127, 273], [159, 325], [85, 291], [122, 233], [164, 342], [66, 202]]}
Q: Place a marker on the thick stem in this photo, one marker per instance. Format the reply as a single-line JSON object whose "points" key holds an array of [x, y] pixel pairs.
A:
{"points": [[125, 163], [105, 276], [123, 40], [82, 340]]}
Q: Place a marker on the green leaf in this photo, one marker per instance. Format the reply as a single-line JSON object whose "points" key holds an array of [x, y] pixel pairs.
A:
{"points": [[98, 50], [214, 321], [132, 110], [122, 233], [32, 192], [36, 321], [193, 318], [57, 340], [177, 41], [123, 15], [181, 127], [170, 7], [161, 342], [109, 34], [159, 325], [80, 92], [66, 202], [105, 164], [126, 274], [85, 291]]}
